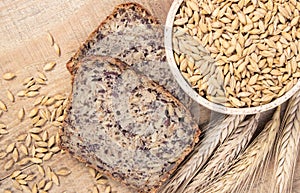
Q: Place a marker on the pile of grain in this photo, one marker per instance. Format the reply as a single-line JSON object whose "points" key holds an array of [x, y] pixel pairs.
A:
{"points": [[238, 53]]}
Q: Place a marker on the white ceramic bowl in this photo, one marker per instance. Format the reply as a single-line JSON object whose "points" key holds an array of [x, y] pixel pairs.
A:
{"points": [[193, 94]]}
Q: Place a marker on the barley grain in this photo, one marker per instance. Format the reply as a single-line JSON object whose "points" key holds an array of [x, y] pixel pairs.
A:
{"points": [[57, 49], [21, 177], [38, 100], [41, 150], [55, 149], [16, 185], [92, 171], [35, 119], [10, 96], [21, 114], [48, 67], [36, 160], [40, 81], [48, 186], [50, 38], [95, 189], [41, 171], [28, 140], [45, 136], [48, 172], [15, 155], [10, 147], [63, 172], [34, 188], [34, 88], [30, 83], [9, 164], [3, 106], [8, 76], [40, 155], [3, 132], [51, 141], [23, 149], [21, 93], [32, 94], [107, 189], [36, 137], [23, 161], [41, 184], [40, 122], [55, 179]]}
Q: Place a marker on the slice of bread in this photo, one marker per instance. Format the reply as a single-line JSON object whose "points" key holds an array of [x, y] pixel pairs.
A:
{"points": [[124, 124], [132, 35]]}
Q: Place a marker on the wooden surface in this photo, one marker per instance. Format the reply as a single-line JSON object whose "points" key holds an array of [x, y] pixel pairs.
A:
{"points": [[24, 50]]}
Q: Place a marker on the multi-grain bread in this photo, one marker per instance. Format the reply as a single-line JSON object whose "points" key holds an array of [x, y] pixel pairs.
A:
{"points": [[126, 125], [132, 35]]}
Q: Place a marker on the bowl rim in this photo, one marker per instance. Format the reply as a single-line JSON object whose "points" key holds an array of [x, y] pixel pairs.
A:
{"points": [[168, 34]]}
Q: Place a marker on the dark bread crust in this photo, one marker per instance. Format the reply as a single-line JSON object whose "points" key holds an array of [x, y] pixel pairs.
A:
{"points": [[122, 66], [72, 64]]}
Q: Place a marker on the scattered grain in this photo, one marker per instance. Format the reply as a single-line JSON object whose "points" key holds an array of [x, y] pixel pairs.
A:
{"points": [[28, 140], [45, 136], [9, 164], [107, 189], [48, 186], [23, 149], [24, 161], [32, 94], [38, 100], [10, 96], [21, 114], [42, 75], [49, 66], [10, 147], [55, 149], [33, 112], [2, 154], [40, 122], [30, 177], [21, 177], [8, 76], [54, 178], [50, 38], [51, 141], [15, 174], [92, 171], [41, 170], [36, 137], [57, 49], [63, 172], [3, 106], [36, 130], [41, 183], [21, 93], [47, 156], [95, 189], [34, 188], [15, 155], [36, 160]]}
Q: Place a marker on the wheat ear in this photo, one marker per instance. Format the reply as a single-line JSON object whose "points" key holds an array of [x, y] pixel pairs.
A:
{"points": [[213, 136], [224, 155], [287, 147], [249, 164]]}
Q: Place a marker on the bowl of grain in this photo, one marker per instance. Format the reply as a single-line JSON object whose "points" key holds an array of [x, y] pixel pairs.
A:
{"points": [[235, 57]]}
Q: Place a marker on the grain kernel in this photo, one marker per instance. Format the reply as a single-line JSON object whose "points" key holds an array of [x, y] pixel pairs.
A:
{"points": [[49, 66], [8, 76]]}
